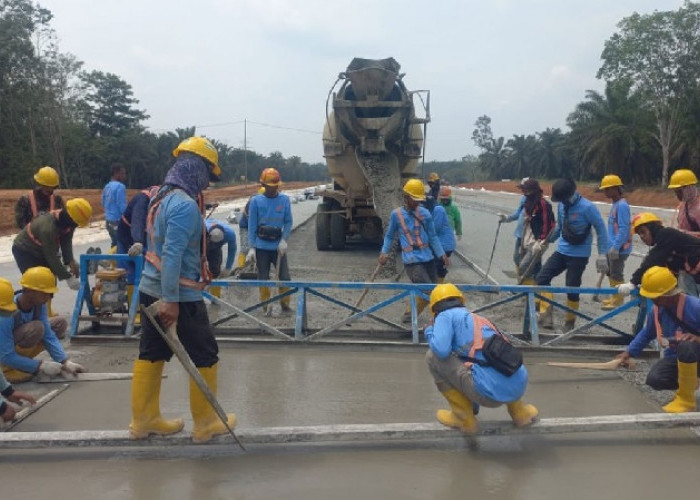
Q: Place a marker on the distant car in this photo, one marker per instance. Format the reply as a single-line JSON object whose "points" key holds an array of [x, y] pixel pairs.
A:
{"points": [[294, 199]]}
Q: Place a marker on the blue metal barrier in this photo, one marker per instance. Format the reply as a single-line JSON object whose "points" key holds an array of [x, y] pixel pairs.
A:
{"points": [[85, 297]]}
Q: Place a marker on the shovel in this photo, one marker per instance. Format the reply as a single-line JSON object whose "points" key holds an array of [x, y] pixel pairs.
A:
{"points": [[170, 338]]}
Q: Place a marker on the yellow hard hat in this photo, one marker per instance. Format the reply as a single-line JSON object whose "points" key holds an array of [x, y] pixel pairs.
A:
{"points": [[270, 177], [610, 181], [261, 190], [79, 210], [682, 177], [40, 279], [657, 281], [46, 176], [7, 296], [442, 292], [433, 176], [643, 218], [201, 146], [415, 189]]}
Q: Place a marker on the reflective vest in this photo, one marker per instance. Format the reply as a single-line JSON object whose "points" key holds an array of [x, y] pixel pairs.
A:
{"points": [[36, 240], [663, 342], [33, 205], [418, 242], [479, 322], [154, 258]]}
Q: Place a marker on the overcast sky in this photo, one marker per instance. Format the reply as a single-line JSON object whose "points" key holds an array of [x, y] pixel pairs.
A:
{"points": [[525, 63]]}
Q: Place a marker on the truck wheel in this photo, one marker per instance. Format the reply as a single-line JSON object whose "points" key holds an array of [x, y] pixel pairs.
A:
{"points": [[323, 227], [337, 232]]}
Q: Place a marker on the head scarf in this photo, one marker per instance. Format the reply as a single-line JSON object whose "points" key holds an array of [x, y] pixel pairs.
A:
{"points": [[190, 173]]}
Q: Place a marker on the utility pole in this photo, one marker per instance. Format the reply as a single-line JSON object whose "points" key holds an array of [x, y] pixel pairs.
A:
{"points": [[245, 151]]}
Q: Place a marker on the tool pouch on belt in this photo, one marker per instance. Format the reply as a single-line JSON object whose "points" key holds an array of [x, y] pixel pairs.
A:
{"points": [[571, 237], [269, 233], [500, 354]]}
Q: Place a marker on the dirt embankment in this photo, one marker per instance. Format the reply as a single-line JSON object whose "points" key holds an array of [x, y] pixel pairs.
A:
{"points": [[649, 196], [8, 198]]}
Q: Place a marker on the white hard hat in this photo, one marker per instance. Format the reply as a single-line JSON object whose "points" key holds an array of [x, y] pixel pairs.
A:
{"points": [[216, 235]]}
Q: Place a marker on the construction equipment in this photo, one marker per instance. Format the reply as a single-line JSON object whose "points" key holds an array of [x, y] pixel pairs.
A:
{"points": [[372, 141]]}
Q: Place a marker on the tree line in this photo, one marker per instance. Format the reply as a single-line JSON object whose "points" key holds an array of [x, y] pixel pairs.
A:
{"points": [[55, 112]]}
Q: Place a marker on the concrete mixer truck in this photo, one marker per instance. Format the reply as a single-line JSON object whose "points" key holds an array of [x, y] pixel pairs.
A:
{"points": [[372, 142]]}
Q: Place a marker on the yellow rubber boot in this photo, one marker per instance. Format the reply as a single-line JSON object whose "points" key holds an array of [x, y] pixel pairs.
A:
{"points": [[284, 301], [615, 300], [522, 414], [421, 304], [685, 395], [145, 402], [15, 376], [206, 422], [440, 280], [129, 296], [461, 416], [265, 295], [569, 317], [215, 291], [546, 316], [241, 260], [531, 282], [49, 308]]}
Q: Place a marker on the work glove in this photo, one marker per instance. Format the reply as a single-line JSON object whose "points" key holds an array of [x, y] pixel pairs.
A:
{"points": [[502, 218], [50, 368], [601, 264], [538, 247], [72, 368], [625, 289], [74, 268], [251, 256], [73, 283], [225, 273], [282, 247], [613, 254], [135, 250]]}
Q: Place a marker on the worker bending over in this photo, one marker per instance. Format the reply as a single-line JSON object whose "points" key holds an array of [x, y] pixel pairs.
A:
{"points": [[176, 273], [38, 243], [26, 330], [675, 322], [576, 215], [459, 367], [219, 234], [455, 217], [40, 200], [269, 227], [419, 243], [684, 185]]}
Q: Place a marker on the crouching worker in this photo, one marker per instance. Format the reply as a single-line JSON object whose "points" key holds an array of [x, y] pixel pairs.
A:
{"points": [[25, 329], [456, 360], [219, 234], [675, 322], [9, 394]]}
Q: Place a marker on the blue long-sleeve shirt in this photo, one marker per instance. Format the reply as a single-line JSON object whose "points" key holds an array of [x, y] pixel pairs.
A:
{"points": [[581, 214], [229, 239], [519, 215], [691, 316], [264, 211], [8, 354], [427, 235], [114, 200], [177, 234], [443, 229], [453, 332], [619, 227]]}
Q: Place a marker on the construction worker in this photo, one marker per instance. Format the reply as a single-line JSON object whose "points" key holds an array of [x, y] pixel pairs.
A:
{"points": [[269, 227], [419, 243], [457, 335], [455, 217], [446, 235], [684, 185], [175, 275], [517, 215], [576, 215], [219, 233], [27, 331], [38, 243], [40, 200], [433, 191], [672, 248], [243, 231], [619, 237], [674, 321], [114, 200]]}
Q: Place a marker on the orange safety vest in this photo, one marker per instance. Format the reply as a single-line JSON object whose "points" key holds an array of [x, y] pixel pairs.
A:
{"points": [[659, 331], [33, 205], [154, 258], [36, 240], [616, 229], [416, 231], [478, 342]]}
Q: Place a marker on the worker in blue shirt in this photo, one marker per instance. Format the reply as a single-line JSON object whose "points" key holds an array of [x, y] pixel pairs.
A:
{"points": [[575, 217], [446, 235], [28, 331], [114, 200], [457, 333], [419, 243], [269, 227], [243, 233], [219, 233], [174, 276], [517, 215], [674, 321]]}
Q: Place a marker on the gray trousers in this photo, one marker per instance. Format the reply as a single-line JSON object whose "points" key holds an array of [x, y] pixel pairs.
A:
{"points": [[32, 332], [687, 284], [617, 268], [451, 373]]}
